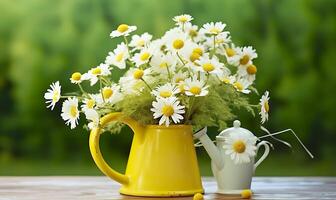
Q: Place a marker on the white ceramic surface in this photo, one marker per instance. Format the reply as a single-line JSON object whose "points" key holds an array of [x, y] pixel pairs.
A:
{"points": [[231, 178]]}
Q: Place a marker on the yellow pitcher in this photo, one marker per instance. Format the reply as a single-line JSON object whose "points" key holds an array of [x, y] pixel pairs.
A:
{"points": [[162, 160]]}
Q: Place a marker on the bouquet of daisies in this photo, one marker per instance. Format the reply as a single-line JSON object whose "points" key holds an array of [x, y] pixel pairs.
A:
{"points": [[188, 76]]}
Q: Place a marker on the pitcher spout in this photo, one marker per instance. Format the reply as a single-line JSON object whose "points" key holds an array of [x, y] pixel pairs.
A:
{"points": [[210, 147]]}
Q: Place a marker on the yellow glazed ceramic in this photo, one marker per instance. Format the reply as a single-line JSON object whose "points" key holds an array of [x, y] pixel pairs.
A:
{"points": [[162, 160]]}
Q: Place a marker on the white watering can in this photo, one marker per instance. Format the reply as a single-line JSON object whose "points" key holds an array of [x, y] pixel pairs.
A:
{"points": [[231, 178]]}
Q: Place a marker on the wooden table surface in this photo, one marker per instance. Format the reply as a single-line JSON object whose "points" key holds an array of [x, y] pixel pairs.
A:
{"points": [[55, 187]]}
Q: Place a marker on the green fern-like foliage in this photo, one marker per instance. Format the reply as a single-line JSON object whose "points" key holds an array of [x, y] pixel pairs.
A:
{"points": [[216, 109], [213, 110], [138, 107]]}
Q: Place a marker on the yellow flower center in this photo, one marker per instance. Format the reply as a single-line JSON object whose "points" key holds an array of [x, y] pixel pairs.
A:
{"points": [[76, 76], [251, 69], [144, 56], [163, 64], [238, 85], [239, 146], [230, 52], [195, 90], [141, 43], [178, 44], [208, 67], [55, 96], [244, 60], [107, 93], [214, 31], [138, 73], [165, 93], [122, 28], [167, 110], [194, 56], [226, 80], [219, 41], [119, 57], [183, 19], [198, 51], [266, 105], [193, 33], [96, 71], [90, 103], [73, 111]]}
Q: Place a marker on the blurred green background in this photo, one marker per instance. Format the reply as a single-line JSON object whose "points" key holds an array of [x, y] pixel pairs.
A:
{"points": [[42, 41]]}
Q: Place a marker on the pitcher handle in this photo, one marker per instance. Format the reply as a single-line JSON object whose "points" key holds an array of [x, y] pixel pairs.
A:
{"points": [[95, 149], [266, 152]]}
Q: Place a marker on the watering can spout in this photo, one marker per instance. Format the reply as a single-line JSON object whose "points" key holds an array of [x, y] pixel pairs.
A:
{"points": [[210, 147]]}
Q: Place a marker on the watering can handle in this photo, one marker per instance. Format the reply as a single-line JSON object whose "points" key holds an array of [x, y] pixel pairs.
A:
{"points": [[95, 149], [266, 152]]}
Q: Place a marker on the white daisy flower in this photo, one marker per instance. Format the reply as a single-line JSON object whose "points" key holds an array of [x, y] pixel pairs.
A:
{"points": [[182, 87], [76, 78], [159, 44], [180, 76], [182, 19], [211, 66], [118, 56], [220, 41], [122, 30], [192, 52], [160, 62], [70, 113], [166, 90], [175, 40], [213, 28], [139, 42], [247, 54], [192, 31], [241, 84], [226, 77], [53, 95], [195, 87], [92, 74], [138, 74], [98, 100], [130, 86], [88, 103], [93, 116], [232, 55], [143, 56], [264, 107], [230, 79], [248, 71], [240, 146], [166, 109], [111, 94]]}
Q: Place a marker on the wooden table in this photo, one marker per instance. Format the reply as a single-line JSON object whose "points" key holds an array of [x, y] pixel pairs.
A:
{"points": [[48, 188]]}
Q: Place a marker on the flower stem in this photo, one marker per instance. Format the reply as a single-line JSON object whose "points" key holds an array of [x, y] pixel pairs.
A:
{"points": [[178, 55], [146, 84], [107, 82], [100, 86], [126, 42], [212, 53], [82, 90], [169, 75], [208, 75], [189, 111]]}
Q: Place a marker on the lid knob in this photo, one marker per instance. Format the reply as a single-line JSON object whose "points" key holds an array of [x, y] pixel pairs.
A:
{"points": [[236, 123]]}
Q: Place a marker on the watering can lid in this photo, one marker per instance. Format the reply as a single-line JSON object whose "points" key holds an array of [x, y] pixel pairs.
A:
{"points": [[235, 129]]}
